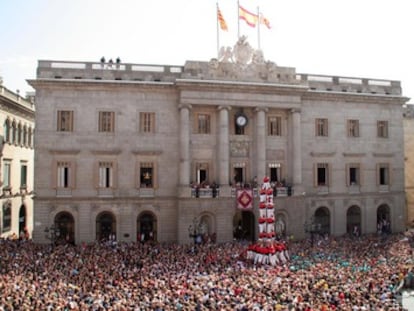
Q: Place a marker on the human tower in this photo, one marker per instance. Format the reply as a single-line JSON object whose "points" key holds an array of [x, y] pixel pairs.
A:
{"points": [[267, 250]]}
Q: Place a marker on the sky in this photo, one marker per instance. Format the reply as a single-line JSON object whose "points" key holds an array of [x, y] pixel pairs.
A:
{"points": [[352, 38]]}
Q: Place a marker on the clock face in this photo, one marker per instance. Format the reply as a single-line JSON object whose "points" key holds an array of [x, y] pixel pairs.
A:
{"points": [[241, 120]]}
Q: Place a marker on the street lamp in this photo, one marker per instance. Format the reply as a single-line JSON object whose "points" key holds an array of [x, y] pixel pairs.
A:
{"points": [[194, 229], [312, 227], [52, 234]]}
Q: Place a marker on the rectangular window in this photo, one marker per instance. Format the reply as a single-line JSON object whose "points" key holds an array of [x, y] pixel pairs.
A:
{"points": [[239, 171], [106, 121], [202, 173], [382, 129], [65, 121], [321, 127], [106, 174], [203, 126], [353, 128], [147, 122], [383, 174], [353, 175], [63, 175], [275, 171], [6, 217], [147, 174], [322, 174], [275, 126], [23, 175], [7, 174]]}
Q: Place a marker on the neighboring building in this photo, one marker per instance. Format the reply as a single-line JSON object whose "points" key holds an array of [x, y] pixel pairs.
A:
{"points": [[158, 152], [16, 169], [409, 161]]}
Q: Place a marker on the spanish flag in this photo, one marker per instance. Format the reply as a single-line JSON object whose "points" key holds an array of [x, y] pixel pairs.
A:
{"points": [[264, 21], [221, 20], [249, 17]]}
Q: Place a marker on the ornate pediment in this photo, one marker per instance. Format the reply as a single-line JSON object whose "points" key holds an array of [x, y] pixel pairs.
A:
{"points": [[242, 63]]}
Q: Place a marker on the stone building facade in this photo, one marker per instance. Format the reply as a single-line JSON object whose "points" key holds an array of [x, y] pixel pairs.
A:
{"points": [[166, 152], [16, 164], [409, 162]]}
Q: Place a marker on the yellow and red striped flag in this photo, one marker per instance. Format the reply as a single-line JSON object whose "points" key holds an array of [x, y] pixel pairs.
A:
{"points": [[265, 21], [221, 20], [249, 17]]}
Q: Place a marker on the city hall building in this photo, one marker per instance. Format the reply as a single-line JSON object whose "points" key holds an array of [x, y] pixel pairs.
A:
{"points": [[148, 152]]}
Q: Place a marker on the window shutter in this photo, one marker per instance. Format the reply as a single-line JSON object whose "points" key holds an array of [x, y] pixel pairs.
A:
{"points": [[72, 176], [281, 172], [115, 174], [347, 175], [54, 175], [95, 174], [155, 174], [152, 122], [112, 122], [137, 175], [390, 174], [329, 175], [315, 174]]}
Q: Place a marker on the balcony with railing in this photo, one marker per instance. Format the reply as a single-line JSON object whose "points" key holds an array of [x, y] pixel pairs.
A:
{"points": [[278, 191], [209, 191]]}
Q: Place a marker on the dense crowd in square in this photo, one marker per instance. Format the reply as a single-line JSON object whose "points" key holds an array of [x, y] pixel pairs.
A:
{"points": [[331, 273]]}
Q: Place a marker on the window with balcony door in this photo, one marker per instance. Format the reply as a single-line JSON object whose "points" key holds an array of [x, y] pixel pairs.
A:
{"points": [[65, 121], [147, 122], [106, 121], [321, 127], [353, 128]]}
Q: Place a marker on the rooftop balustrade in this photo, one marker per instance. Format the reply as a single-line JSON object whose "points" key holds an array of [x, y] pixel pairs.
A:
{"points": [[200, 70]]}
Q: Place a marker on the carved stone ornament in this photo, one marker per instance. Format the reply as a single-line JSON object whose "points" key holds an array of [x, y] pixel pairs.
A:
{"points": [[239, 148], [242, 51]]}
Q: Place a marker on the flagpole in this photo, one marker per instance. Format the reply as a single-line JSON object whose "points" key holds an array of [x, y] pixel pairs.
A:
{"points": [[238, 20], [218, 31], [258, 28]]}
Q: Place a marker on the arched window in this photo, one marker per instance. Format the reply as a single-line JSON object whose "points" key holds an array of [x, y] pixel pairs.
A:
{"points": [[19, 134], [30, 138], [25, 135], [7, 130], [14, 132]]}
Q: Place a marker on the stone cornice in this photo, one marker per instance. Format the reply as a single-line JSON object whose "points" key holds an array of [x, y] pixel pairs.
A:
{"points": [[354, 97], [383, 154], [107, 152], [322, 154], [354, 154], [146, 152], [64, 151]]}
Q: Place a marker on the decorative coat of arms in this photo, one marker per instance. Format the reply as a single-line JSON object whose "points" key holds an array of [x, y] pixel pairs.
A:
{"points": [[242, 51]]}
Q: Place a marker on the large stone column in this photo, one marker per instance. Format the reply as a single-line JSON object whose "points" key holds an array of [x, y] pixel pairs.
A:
{"points": [[185, 163], [297, 151], [261, 142], [224, 145]]}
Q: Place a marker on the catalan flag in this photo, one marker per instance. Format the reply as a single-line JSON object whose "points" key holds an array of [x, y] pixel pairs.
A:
{"points": [[264, 21], [221, 20], [249, 17]]}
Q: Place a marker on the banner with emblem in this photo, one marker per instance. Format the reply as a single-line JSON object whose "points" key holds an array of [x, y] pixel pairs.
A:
{"points": [[244, 199]]}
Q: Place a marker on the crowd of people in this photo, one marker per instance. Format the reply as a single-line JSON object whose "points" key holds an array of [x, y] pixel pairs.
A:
{"points": [[334, 273]]}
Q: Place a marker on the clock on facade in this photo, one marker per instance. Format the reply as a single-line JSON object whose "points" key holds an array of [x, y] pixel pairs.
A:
{"points": [[241, 120]]}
